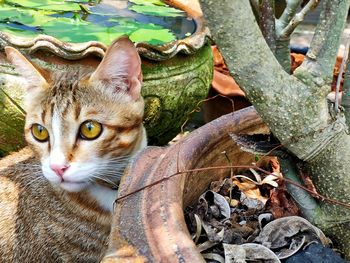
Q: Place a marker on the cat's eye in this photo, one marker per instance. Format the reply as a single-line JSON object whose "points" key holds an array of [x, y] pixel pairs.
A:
{"points": [[39, 132], [90, 130]]}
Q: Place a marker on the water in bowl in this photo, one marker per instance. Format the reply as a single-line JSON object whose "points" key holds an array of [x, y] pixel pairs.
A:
{"points": [[78, 21]]}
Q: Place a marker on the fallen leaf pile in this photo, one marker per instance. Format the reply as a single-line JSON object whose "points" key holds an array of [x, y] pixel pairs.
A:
{"points": [[250, 218]]}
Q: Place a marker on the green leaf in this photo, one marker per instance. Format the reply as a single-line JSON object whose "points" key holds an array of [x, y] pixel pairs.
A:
{"points": [[55, 5], [25, 17], [157, 10], [152, 36], [12, 14], [26, 22], [148, 2], [81, 1], [78, 31]]}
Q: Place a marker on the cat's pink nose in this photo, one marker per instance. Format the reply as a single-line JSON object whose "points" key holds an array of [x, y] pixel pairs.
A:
{"points": [[59, 169]]}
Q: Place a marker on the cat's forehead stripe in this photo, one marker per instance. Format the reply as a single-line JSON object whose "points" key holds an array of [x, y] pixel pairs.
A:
{"points": [[43, 115], [63, 92], [77, 111]]}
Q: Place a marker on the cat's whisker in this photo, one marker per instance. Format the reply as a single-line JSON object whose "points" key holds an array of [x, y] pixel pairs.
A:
{"points": [[114, 164], [107, 177], [117, 160], [111, 174], [105, 180], [112, 169]]}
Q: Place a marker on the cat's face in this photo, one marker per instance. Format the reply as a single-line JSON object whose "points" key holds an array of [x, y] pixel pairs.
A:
{"points": [[85, 126]]}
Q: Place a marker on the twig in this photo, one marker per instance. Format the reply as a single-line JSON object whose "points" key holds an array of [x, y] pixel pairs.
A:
{"points": [[288, 14], [183, 172], [198, 109], [340, 74], [323, 198], [298, 18]]}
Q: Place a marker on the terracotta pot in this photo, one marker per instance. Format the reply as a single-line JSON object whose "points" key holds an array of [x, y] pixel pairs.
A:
{"points": [[149, 225]]}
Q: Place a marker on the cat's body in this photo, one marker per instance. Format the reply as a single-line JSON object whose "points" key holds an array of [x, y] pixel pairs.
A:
{"points": [[56, 196], [41, 223]]}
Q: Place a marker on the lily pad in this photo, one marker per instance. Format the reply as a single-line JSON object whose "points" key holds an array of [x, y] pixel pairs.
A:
{"points": [[148, 2], [28, 18], [157, 10], [81, 31], [152, 35], [56, 5], [67, 20]]}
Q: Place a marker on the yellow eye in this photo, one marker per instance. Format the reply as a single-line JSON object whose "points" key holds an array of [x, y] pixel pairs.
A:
{"points": [[90, 130], [40, 133]]}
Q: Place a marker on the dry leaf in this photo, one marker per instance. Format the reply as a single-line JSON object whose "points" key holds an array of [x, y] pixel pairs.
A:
{"points": [[214, 234], [219, 201], [253, 203], [250, 190], [198, 228], [206, 245], [289, 232], [281, 204], [248, 252], [214, 256]]}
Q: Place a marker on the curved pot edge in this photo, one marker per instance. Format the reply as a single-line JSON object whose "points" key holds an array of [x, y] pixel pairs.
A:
{"points": [[156, 227]]}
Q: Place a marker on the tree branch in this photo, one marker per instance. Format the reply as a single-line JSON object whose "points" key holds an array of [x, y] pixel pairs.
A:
{"points": [[297, 19], [296, 111], [320, 59], [284, 103], [306, 202], [340, 77], [287, 15], [346, 92], [267, 23]]}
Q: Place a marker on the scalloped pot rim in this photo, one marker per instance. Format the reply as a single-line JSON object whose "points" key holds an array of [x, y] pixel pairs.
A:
{"points": [[72, 51]]}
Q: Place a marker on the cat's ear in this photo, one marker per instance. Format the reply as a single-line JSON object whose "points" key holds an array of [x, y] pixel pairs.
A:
{"points": [[25, 68], [120, 68]]}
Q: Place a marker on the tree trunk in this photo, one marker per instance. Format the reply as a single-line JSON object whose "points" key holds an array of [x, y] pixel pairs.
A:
{"points": [[294, 106]]}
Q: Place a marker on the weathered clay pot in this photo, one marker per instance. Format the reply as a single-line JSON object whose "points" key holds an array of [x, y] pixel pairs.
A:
{"points": [[176, 76], [150, 224]]}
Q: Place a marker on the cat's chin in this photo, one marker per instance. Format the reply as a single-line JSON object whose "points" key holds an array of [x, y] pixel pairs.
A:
{"points": [[73, 186]]}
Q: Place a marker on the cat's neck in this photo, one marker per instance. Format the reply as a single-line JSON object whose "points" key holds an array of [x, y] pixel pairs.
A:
{"points": [[104, 196]]}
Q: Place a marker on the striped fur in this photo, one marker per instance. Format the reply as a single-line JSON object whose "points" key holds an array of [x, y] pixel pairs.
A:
{"points": [[45, 219]]}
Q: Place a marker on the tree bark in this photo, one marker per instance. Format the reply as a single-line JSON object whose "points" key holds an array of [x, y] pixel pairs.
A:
{"points": [[267, 23], [294, 107], [346, 92]]}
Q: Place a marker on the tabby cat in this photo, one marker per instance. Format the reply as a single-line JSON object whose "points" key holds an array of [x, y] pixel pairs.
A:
{"points": [[56, 196]]}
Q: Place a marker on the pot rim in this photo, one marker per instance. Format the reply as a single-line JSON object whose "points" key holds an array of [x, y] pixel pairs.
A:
{"points": [[148, 220], [73, 51]]}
